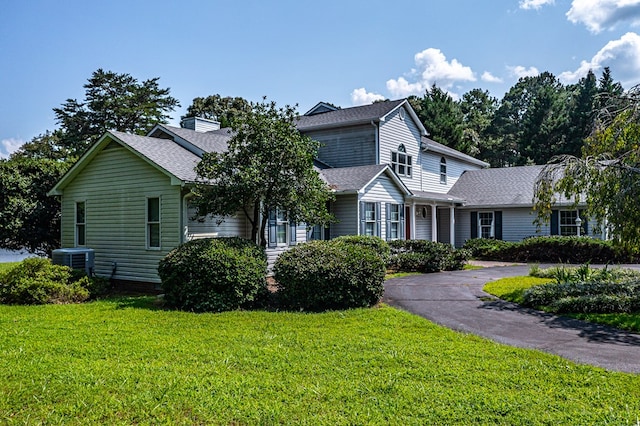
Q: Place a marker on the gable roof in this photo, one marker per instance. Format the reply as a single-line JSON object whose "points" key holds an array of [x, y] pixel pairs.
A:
{"points": [[365, 114], [501, 187], [197, 142], [355, 179], [431, 145], [163, 154]]}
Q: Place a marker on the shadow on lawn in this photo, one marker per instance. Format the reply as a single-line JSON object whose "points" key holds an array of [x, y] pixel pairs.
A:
{"points": [[152, 303], [590, 331]]}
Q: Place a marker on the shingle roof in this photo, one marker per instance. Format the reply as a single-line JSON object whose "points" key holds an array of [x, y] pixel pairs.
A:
{"points": [[443, 149], [165, 153], [436, 196], [351, 178], [213, 141], [509, 186], [346, 116]]}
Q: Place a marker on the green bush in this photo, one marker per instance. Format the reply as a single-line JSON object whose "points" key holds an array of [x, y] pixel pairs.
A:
{"points": [[549, 249], [36, 281], [214, 275], [586, 297], [379, 245], [425, 256], [322, 275]]}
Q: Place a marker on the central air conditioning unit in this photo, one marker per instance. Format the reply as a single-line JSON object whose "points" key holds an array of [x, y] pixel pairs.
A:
{"points": [[76, 258]]}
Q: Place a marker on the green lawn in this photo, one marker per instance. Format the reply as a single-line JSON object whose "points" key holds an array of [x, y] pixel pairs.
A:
{"points": [[512, 289], [123, 361]]}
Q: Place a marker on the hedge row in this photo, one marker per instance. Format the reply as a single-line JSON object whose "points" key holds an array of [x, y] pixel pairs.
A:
{"points": [[425, 256], [550, 249]]}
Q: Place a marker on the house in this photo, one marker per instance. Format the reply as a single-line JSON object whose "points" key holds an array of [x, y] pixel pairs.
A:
{"points": [[128, 196]]}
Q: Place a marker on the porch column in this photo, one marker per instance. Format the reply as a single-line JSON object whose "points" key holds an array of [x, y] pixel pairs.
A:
{"points": [[434, 224], [452, 225]]}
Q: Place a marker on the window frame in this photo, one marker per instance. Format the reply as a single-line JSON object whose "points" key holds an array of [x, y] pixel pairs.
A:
{"points": [[401, 162], [571, 225], [151, 225], [370, 220], [491, 226], [394, 221], [443, 170], [80, 227], [282, 220]]}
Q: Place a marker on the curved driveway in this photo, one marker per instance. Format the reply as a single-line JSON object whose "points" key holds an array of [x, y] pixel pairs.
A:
{"points": [[456, 300]]}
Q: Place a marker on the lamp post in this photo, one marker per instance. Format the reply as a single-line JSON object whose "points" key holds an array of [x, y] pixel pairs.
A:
{"points": [[578, 224]]}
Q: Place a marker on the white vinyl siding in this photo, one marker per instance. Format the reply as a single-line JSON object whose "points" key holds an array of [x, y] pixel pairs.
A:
{"points": [[345, 209], [395, 131], [431, 171], [382, 190], [208, 227], [423, 222], [115, 185]]}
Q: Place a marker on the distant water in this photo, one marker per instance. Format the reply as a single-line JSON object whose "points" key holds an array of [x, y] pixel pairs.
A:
{"points": [[13, 255]]}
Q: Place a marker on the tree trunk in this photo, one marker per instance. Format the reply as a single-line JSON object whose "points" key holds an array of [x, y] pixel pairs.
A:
{"points": [[263, 226]]}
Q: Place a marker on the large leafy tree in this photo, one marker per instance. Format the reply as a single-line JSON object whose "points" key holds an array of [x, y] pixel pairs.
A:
{"points": [[215, 107], [113, 101], [29, 219], [607, 175], [268, 165]]}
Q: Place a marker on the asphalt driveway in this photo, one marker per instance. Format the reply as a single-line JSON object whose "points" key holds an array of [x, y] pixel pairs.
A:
{"points": [[456, 300]]}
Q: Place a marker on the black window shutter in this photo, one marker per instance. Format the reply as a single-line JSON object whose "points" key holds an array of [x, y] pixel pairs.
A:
{"points": [[272, 231], [474, 224], [497, 225], [293, 238], [555, 222], [362, 218]]}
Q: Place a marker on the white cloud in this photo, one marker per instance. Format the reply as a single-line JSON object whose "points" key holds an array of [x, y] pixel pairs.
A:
{"points": [[432, 68], [362, 97], [598, 15], [519, 71], [9, 146], [490, 78], [622, 56], [534, 4]]}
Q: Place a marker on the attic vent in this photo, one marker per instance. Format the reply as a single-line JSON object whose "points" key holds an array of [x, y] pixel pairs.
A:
{"points": [[199, 124], [76, 258], [402, 113]]}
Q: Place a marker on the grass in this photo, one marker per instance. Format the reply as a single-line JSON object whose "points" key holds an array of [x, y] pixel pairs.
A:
{"points": [[513, 288], [124, 361]]}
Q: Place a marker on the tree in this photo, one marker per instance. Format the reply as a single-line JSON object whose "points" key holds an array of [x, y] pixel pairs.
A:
{"points": [[29, 219], [607, 175], [478, 108], [215, 107], [442, 117], [268, 165], [113, 102]]}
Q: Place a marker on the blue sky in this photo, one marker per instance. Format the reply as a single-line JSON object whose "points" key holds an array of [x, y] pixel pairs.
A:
{"points": [[297, 52]]}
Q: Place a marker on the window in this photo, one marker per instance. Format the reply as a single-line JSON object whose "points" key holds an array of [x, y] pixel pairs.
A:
{"points": [[485, 224], [568, 225], [282, 227], [401, 162], [443, 170], [370, 219], [81, 223], [153, 223], [393, 231]]}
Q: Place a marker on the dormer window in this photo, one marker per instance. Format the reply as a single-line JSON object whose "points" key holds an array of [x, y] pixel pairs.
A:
{"points": [[443, 170], [401, 162]]}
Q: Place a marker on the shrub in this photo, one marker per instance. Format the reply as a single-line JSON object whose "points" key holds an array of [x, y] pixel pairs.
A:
{"points": [[322, 275], [213, 275], [425, 256], [379, 245], [549, 249], [36, 281]]}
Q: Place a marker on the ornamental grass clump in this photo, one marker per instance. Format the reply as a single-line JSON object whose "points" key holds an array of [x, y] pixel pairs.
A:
{"points": [[214, 275], [329, 275]]}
